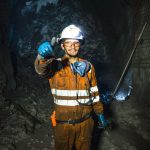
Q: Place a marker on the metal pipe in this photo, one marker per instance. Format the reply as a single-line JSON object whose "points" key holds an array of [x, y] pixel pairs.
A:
{"points": [[129, 60]]}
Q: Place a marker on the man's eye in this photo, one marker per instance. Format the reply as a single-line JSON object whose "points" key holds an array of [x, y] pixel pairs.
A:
{"points": [[77, 43], [67, 42]]}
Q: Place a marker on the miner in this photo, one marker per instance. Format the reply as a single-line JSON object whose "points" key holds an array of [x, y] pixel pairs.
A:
{"points": [[74, 88]]}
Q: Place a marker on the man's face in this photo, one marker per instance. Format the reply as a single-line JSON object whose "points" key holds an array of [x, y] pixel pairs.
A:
{"points": [[71, 47]]}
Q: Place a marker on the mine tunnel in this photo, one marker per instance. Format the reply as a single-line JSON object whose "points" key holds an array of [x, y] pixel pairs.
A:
{"points": [[111, 29]]}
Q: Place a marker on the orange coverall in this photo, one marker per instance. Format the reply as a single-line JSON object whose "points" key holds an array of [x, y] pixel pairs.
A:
{"points": [[69, 90]]}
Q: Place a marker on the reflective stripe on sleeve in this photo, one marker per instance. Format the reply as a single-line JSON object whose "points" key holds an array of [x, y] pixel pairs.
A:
{"points": [[94, 89], [96, 99]]}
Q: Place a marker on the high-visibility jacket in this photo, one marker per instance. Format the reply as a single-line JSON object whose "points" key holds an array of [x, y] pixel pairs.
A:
{"points": [[70, 91]]}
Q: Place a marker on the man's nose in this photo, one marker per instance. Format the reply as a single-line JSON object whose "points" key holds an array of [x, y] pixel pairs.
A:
{"points": [[72, 45]]}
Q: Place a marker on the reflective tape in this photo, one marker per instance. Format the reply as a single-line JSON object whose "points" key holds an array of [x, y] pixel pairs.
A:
{"points": [[74, 92], [73, 102], [94, 89], [96, 99], [70, 92]]}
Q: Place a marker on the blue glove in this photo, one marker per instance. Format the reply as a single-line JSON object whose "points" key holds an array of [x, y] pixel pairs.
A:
{"points": [[45, 50], [103, 123]]}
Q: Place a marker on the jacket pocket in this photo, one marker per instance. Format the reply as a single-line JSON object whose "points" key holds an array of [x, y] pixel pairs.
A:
{"points": [[60, 82]]}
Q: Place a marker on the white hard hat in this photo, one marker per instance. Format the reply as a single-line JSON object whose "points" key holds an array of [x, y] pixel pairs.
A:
{"points": [[72, 32]]}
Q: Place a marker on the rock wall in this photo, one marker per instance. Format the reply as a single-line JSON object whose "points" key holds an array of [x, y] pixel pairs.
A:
{"points": [[111, 28], [133, 115]]}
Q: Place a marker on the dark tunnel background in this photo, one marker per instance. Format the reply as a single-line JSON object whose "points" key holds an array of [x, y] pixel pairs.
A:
{"points": [[111, 30]]}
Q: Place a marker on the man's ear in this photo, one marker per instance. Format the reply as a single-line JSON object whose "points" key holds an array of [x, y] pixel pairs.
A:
{"points": [[62, 46]]}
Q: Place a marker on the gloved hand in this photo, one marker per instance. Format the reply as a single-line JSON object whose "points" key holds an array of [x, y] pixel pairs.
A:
{"points": [[103, 123], [45, 50]]}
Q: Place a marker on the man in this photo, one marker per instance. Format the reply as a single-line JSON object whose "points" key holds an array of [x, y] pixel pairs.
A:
{"points": [[74, 88]]}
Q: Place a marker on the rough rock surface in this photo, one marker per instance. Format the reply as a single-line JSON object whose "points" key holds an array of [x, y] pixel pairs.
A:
{"points": [[110, 30]]}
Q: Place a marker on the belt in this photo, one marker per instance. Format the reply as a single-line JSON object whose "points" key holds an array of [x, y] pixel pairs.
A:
{"points": [[74, 121]]}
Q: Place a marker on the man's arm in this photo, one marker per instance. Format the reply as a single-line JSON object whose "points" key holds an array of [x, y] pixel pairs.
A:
{"points": [[45, 60], [44, 67], [97, 104]]}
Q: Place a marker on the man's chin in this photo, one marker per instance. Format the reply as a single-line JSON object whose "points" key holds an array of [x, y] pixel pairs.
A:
{"points": [[73, 55]]}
